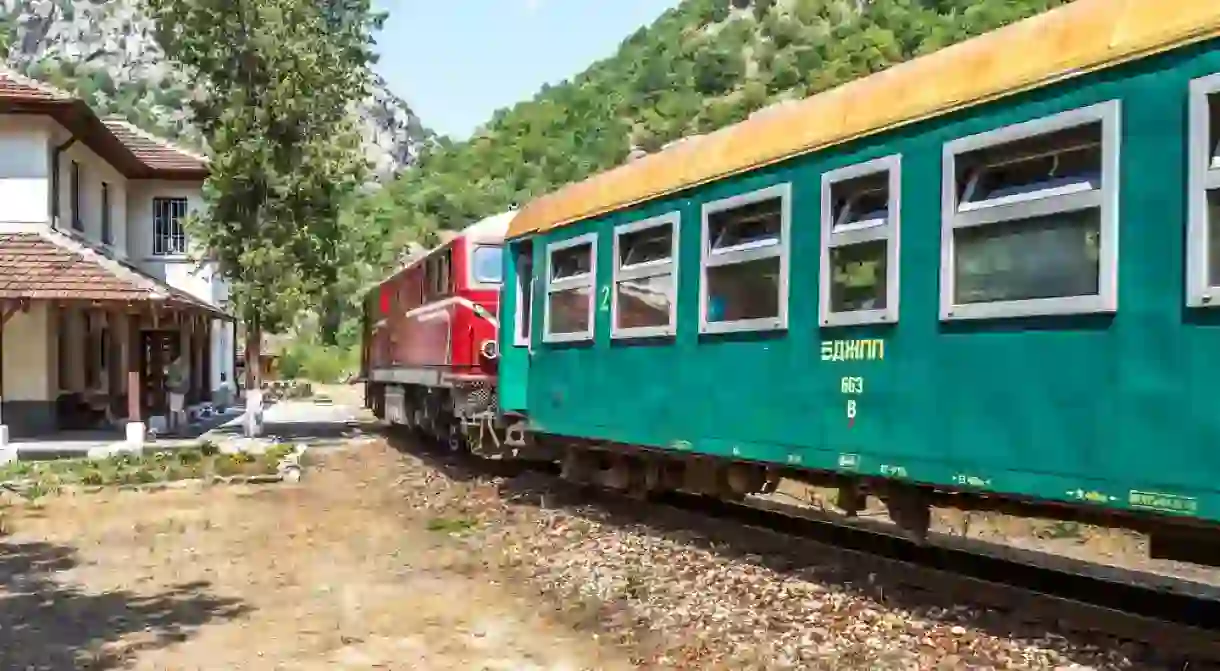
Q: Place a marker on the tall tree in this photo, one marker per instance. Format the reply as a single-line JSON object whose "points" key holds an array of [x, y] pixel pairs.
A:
{"points": [[279, 81]]}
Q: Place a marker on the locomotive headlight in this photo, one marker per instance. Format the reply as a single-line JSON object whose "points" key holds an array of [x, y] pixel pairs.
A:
{"points": [[489, 349]]}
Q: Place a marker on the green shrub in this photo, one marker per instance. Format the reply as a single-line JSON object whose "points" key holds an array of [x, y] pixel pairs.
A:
{"points": [[319, 363], [240, 458], [190, 457]]}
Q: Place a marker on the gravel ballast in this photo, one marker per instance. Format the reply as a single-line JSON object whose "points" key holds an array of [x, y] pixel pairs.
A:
{"points": [[690, 593]]}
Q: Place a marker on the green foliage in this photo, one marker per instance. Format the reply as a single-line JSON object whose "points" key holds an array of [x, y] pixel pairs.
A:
{"points": [[37, 479], [696, 69], [318, 362], [699, 67], [279, 79]]}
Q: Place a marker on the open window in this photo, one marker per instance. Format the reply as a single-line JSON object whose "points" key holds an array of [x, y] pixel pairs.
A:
{"points": [[1030, 220], [1203, 235], [644, 302], [860, 240], [571, 278], [437, 270], [523, 260], [744, 262]]}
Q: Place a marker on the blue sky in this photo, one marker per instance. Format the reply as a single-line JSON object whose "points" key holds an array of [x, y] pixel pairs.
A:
{"points": [[457, 61]]}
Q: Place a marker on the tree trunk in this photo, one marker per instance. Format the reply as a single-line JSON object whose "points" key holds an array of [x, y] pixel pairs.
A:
{"points": [[330, 318], [254, 378]]}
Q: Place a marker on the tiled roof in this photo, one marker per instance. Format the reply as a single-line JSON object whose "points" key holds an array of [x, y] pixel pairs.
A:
{"points": [[51, 265], [13, 85], [134, 152], [152, 151]]}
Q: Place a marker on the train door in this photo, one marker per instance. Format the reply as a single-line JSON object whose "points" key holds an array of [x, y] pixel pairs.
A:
{"points": [[516, 307]]}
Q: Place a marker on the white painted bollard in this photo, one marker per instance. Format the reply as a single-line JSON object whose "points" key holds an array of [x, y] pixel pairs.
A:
{"points": [[8, 453], [135, 437], [3, 427]]}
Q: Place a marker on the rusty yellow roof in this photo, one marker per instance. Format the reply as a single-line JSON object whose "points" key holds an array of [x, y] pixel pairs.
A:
{"points": [[1079, 37]]}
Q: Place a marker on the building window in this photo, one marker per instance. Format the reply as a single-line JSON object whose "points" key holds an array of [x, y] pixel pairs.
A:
{"points": [[74, 196], [107, 233], [169, 237], [744, 283], [644, 300], [860, 243], [1030, 220], [524, 259], [1203, 240], [571, 273]]}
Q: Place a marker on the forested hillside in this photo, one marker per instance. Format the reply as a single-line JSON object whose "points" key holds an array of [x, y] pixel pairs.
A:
{"points": [[701, 66]]}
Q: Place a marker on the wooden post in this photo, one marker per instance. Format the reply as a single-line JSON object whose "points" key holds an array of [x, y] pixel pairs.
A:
{"points": [[116, 327], [135, 409], [201, 374], [10, 309]]}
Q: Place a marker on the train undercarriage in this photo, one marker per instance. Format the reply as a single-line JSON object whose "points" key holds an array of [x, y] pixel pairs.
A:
{"points": [[462, 416], [643, 472]]}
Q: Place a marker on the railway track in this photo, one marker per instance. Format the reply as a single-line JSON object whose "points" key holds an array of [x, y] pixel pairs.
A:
{"points": [[1178, 625]]}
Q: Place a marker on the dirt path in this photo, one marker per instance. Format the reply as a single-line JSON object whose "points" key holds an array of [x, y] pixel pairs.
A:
{"points": [[334, 573]]}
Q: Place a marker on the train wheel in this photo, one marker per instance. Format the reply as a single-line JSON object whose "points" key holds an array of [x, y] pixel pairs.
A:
{"points": [[457, 441]]}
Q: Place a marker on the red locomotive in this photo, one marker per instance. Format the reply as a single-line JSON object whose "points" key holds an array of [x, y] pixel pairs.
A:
{"points": [[429, 359]]}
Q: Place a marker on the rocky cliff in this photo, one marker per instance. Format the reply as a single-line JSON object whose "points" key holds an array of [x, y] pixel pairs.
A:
{"points": [[106, 51]]}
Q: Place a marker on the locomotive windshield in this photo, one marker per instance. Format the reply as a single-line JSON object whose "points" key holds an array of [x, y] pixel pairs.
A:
{"points": [[487, 264]]}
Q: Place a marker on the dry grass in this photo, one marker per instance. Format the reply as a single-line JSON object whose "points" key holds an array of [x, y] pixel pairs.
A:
{"points": [[332, 573]]}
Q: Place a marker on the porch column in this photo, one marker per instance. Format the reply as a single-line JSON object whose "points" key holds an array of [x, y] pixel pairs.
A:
{"points": [[201, 370], [116, 365], [135, 409], [206, 383], [9, 308], [186, 350]]}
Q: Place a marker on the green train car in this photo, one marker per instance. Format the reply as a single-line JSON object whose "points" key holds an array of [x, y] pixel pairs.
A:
{"points": [[984, 278]]}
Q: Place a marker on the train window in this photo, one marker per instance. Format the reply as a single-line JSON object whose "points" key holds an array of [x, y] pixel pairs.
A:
{"points": [[1030, 219], [744, 258], [860, 241], [571, 277], [645, 276], [486, 264], [1203, 237], [524, 262], [444, 266]]}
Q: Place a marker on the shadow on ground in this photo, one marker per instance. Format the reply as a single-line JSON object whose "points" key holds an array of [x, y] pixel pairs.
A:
{"points": [[51, 626], [533, 485], [313, 425]]}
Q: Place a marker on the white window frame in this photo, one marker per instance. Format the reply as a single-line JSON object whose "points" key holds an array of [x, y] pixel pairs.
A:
{"points": [[522, 332], [710, 259], [888, 230], [1202, 178], [473, 281], [645, 270], [164, 243], [1049, 201], [588, 279]]}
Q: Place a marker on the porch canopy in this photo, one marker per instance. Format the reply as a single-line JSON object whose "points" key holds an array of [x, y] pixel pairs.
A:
{"points": [[144, 317]]}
